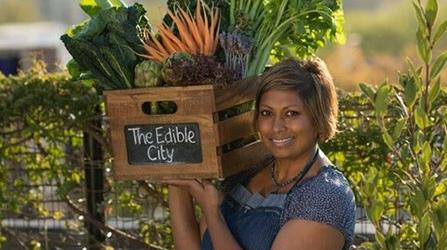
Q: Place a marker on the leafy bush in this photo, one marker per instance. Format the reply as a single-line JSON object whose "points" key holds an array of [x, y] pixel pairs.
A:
{"points": [[407, 200], [41, 118]]}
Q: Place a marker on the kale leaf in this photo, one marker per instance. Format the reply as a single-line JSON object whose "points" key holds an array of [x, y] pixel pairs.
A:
{"points": [[105, 46]]}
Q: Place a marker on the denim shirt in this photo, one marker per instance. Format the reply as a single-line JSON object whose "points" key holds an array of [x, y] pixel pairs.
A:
{"points": [[255, 220]]}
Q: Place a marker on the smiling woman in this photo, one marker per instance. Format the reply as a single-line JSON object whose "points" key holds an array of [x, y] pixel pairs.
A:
{"points": [[296, 193]]}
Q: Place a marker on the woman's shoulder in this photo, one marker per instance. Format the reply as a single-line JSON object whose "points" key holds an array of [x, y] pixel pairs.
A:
{"points": [[326, 198], [328, 181]]}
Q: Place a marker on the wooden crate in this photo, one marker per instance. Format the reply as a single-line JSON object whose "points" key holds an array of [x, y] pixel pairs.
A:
{"points": [[140, 141]]}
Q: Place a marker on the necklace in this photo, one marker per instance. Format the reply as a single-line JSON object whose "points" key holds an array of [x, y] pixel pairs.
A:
{"points": [[297, 178]]}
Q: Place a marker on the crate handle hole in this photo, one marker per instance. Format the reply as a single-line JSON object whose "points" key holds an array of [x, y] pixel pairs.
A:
{"points": [[159, 107]]}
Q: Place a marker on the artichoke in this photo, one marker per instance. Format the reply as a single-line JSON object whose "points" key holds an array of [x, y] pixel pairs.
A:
{"points": [[148, 74]]}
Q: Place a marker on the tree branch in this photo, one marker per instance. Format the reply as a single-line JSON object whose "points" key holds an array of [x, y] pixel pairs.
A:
{"points": [[105, 227]]}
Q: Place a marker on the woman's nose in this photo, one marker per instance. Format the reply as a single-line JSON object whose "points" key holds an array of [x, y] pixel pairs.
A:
{"points": [[279, 124]]}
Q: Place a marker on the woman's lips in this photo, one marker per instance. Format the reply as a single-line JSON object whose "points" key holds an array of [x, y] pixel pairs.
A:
{"points": [[281, 142]]}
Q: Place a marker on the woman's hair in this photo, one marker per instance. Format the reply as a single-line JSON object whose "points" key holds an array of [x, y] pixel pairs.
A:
{"points": [[313, 83]]}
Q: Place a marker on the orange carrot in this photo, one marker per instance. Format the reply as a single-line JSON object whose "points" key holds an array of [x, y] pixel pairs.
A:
{"points": [[192, 25], [182, 25], [206, 37], [197, 35], [215, 31], [174, 40], [169, 43]]}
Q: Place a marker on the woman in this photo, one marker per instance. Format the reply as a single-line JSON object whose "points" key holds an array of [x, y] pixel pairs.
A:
{"points": [[295, 199]]}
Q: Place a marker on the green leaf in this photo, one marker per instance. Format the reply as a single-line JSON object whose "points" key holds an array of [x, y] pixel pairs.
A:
{"points": [[376, 211], [420, 117], [434, 91], [387, 138], [118, 3], [418, 203], [380, 238], [76, 177], [415, 73], [439, 219], [398, 128], [90, 7], [410, 92], [443, 165], [392, 240], [382, 98], [423, 47], [74, 30], [431, 11], [402, 104], [438, 65], [418, 141], [420, 17], [424, 229], [426, 157], [367, 91], [73, 69], [439, 32], [441, 188]]}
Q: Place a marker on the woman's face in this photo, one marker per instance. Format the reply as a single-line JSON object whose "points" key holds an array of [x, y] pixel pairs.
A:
{"points": [[285, 125]]}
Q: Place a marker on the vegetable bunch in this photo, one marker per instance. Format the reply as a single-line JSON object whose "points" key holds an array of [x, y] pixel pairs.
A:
{"points": [[237, 48], [104, 47], [196, 35], [283, 28]]}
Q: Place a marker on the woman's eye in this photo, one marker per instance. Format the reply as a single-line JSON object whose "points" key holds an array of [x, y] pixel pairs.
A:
{"points": [[264, 113], [292, 113]]}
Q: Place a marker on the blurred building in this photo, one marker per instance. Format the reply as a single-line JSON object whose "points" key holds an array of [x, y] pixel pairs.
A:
{"points": [[61, 11], [19, 41]]}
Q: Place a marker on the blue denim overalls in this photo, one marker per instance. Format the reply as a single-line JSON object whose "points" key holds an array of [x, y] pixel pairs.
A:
{"points": [[252, 218]]}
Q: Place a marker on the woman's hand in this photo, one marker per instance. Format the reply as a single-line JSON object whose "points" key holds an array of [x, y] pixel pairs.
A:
{"points": [[209, 200], [203, 192]]}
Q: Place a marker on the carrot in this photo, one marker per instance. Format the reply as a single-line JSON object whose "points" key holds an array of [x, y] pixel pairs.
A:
{"points": [[206, 36], [214, 31], [175, 40], [185, 35], [158, 45], [199, 19], [192, 25], [197, 34], [170, 45], [200, 23]]}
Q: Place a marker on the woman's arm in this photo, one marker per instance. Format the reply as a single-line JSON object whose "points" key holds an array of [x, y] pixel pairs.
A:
{"points": [[209, 199], [183, 222], [220, 234], [308, 235]]}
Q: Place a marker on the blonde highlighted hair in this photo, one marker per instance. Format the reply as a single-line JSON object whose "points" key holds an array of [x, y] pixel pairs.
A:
{"points": [[314, 85]]}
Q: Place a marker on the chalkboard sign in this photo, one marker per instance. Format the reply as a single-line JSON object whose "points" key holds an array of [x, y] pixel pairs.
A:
{"points": [[163, 143]]}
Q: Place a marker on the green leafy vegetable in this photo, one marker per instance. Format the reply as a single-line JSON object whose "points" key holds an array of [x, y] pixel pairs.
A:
{"points": [[283, 28], [105, 46], [90, 7]]}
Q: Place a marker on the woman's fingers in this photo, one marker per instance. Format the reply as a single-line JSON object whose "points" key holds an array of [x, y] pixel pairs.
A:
{"points": [[185, 183]]}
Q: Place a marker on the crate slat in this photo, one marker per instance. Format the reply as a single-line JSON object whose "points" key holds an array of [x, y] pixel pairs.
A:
{"points": [[237, 93], [236, 127], [252, 154]]}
